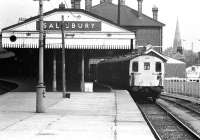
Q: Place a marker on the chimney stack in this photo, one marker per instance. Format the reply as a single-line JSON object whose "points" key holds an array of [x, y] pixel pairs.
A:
{"points": [[102, 1], [155, 12], [75, 4], [88, 5], [122, 2], [72, 4], [139, 8], [62, 6]]}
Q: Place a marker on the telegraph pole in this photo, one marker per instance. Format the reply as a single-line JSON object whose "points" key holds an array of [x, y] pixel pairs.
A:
{"points": [[40, 89]]}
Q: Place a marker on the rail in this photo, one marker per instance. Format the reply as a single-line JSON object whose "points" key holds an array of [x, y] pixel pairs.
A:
{"points": [[163, 123]]}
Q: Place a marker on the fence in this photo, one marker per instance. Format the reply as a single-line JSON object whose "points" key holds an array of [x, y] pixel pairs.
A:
{"points": [[182, 86]]}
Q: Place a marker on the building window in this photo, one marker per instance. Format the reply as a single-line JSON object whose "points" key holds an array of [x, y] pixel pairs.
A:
{"points": [[193, 68], [135, 67], [146, 66], [158, 67]]}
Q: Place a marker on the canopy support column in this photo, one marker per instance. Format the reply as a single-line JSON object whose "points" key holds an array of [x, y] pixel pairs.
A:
{"points": [[82, 72], [54, 72], [63, 59]]}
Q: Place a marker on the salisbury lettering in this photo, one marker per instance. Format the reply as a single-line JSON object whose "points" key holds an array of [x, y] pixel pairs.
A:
{"points": [[71, 25]]}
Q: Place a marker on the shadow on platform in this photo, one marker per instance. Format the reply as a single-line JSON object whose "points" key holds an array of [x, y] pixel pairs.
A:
{"points": [[27, 84]]}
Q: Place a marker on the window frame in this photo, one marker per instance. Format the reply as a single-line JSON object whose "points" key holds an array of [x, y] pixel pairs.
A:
{"points": [[147, 65], [158, 69], [133, 66]]}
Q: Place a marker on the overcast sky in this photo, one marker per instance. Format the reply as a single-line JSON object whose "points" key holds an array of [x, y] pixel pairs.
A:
{"points": [[187, 12]]}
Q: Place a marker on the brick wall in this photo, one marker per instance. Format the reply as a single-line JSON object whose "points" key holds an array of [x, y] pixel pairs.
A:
{"points": [[149, 36]]}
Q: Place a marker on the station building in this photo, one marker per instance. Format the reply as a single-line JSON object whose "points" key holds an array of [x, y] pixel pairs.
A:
{"points": [[89, 34], [148, 30]]}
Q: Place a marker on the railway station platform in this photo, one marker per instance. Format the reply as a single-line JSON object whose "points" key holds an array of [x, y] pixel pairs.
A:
{"points": [[83, 116]]}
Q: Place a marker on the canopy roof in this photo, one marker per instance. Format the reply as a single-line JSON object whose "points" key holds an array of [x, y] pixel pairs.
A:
{"points": [[83, 30]]}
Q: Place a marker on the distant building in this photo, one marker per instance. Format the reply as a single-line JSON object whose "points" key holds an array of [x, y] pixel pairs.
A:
{"points": [[177, 52], [193, 73], [177, 45]]}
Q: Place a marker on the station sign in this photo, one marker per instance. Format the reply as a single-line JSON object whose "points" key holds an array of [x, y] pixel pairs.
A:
{"points": [[71, 25]]}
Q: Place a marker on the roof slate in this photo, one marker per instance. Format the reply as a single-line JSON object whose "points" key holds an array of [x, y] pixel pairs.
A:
{"points": [[129, 16]]}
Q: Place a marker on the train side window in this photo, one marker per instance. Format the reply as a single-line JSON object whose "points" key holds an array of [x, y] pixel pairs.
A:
{"points": [[135, 66], [146, 66], [158, 67]]}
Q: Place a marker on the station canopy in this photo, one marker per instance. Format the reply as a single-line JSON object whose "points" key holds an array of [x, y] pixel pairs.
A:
{"points": [[82, 30]]}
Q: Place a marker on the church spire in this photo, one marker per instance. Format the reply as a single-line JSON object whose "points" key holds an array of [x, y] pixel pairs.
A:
{"points": [[177, 46]]}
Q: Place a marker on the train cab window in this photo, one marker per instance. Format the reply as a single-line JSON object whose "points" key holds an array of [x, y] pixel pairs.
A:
{"points": [[146, 66], [193, 68], [135, 67], [158, 67]]}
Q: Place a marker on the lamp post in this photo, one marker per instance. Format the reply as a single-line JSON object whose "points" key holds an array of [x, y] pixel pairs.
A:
{"points": [[65, 94], [40, 89]]}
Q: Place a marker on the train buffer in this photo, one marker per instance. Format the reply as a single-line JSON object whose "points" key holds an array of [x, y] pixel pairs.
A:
{"points": [[85, 116]]}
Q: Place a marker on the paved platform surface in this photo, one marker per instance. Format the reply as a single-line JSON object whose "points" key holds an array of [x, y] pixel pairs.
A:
{"points": [[85, 116]]}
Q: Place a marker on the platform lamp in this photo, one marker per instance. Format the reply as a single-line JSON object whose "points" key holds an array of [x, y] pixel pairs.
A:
{"points": [[65, 94], [40, 89]]}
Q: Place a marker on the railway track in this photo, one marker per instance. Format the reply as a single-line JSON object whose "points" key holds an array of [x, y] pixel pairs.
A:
{"points": [[164, 125], [193, 107], [188, 112]]}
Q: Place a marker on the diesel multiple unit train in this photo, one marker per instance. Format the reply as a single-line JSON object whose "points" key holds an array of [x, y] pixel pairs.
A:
{"points": [[142, 75]]}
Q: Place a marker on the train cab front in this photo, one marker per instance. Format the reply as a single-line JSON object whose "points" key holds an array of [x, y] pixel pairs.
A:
{"points": [[146, 91]]}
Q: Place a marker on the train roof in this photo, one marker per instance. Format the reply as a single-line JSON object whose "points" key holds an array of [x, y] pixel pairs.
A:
{"points": [[119, 58], [129, 57], [157, 54]]}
